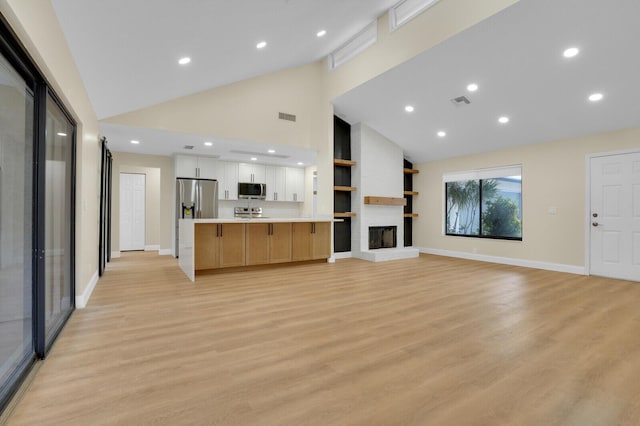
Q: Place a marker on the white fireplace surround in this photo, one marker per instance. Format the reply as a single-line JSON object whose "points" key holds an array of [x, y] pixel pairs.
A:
{"points": [[378, 172]]}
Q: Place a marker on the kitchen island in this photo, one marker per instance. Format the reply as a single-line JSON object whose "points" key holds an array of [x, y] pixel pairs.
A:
{"points": [[209, 244]]}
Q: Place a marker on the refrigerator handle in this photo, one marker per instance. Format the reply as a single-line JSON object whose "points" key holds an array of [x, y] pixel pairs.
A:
{"points": [[198, 205], [181, 199]]}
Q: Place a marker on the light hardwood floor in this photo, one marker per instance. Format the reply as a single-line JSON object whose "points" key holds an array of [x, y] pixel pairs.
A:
{"points": [[432, 340]]}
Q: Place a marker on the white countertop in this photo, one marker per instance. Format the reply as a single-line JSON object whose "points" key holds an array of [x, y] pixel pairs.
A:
{"points": [[262, 219]]}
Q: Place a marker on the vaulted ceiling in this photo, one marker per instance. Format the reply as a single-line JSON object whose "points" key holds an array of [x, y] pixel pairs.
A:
{"points": [[127, 53]]}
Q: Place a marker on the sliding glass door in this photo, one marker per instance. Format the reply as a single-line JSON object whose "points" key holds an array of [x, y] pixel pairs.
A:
{"points": [[16, 224], [59, 149], [37, 215]]}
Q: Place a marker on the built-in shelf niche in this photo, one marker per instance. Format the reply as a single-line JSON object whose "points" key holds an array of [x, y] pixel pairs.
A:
{"points": [[409, 193], [342, 189]]}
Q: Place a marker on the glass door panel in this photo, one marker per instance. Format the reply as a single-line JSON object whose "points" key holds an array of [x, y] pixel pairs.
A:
{"points": [[58, 204], [16, 189]]}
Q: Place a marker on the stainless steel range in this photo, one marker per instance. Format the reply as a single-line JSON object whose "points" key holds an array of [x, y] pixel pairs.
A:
{"points": [[248, 212]]}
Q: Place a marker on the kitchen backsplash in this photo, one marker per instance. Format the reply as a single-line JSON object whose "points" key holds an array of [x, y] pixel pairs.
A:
{"points": [[269, 208]]}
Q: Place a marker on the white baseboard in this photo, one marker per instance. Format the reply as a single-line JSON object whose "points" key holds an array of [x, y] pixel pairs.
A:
{"points": [[556, 267], [115, 254], [83, 299], [155, 247], [342, 255], [165, 252]]}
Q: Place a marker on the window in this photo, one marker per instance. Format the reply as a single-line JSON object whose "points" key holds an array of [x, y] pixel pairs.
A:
{"points": [[484, 203]]}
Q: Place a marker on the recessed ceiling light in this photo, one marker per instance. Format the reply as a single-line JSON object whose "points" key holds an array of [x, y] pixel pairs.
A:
{"points": [[442, 133], [409, 108], [503, 120], [472, 87], [261, 45], [254, 159], [184, 61], [300, 163], [595, 97], [571, 52], [135, 142], [208, 144], [62, 134], [321, 33], [271, 151]]}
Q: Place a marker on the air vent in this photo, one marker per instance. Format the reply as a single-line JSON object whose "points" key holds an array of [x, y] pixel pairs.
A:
{"points": [[188, 147], [461, 101], [285, 116]]}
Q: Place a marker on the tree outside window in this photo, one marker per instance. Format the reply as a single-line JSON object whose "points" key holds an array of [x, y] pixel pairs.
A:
{"points": [[490, 208]]}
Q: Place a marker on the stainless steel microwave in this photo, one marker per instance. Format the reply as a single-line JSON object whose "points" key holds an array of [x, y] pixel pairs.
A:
{"points": [[252, 190]]}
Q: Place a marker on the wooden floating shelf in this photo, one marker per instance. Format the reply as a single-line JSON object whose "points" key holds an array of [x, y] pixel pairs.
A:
{"points": [[385, 201], [411, 215], [411, 171], [345, 163], [345, 214], [411, 193], [344, 188]]}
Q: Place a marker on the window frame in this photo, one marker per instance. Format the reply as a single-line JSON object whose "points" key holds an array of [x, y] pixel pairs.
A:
{"points": [[481, 175]]}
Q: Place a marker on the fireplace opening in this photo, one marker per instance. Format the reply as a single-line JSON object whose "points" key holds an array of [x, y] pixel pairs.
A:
{"points": [[382, 237]]}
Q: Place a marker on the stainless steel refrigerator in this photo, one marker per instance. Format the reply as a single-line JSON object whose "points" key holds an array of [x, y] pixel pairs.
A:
{"points": [[195, 199]]}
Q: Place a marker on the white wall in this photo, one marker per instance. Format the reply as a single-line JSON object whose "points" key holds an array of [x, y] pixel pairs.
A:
{"points": [[553, 176], [378, 172]]}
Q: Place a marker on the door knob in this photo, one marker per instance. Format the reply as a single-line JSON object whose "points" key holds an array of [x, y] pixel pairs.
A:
{"points": [[595, 223], [595, 215]]}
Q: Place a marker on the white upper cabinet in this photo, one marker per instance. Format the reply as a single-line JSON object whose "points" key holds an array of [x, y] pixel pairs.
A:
{"points": [[227, 180], [254, 173], [186, 166], [276, 183], [294, 184], [283, 183], [207, 168], [191, 166]]}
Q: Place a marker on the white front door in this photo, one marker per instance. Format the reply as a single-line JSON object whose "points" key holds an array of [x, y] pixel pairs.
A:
{"points": [[132, 200], [614, 219]]}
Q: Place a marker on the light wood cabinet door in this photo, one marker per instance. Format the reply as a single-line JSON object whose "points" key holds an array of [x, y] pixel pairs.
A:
{"points": [[280, 243], [206, 246], [258, 241], [321, 240], [232, 244], [300, 241]]}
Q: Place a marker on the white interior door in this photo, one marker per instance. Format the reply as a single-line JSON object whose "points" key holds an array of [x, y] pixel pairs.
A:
{"points": [[615, 216], [132, 200]]}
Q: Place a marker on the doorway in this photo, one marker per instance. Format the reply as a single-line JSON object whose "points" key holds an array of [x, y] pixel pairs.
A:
{"points": [[614, 215], [132, 211]]}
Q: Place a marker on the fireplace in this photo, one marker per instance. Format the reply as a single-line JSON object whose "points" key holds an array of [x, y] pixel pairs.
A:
{"points": [[382, 237]]}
